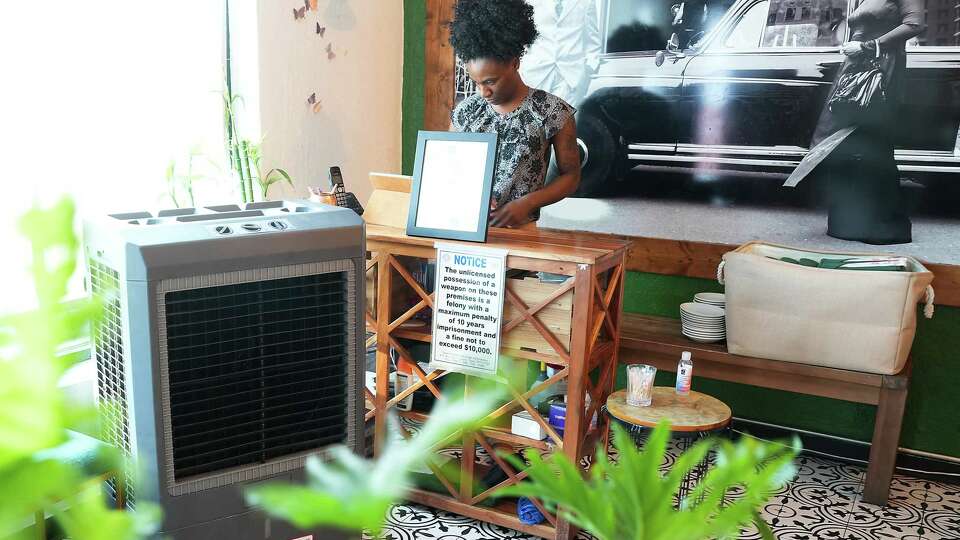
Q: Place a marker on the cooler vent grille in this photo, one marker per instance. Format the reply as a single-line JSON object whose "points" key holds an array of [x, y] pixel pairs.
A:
{"points": [[108, 352], [256, 371]]}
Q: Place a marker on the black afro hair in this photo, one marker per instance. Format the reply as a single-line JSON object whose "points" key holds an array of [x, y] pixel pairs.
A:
{"points": [[500, 29]]}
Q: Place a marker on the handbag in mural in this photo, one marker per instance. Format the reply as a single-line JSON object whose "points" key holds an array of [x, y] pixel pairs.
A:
{"points": [[861, 86]]}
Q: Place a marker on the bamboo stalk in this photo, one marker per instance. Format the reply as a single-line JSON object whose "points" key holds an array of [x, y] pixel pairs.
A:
{"points": [[189, 181], [248, 184]]}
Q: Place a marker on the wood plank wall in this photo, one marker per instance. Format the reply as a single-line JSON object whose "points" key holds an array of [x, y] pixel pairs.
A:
{"points": [[438, 66], [655, 255], [700, 259]]}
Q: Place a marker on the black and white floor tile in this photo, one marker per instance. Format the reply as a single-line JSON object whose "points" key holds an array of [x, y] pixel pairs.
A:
{"points": [[823, 502]]}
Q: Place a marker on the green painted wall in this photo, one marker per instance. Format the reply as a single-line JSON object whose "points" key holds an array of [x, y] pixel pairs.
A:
{"points": [[931, 422], [414, 19]]}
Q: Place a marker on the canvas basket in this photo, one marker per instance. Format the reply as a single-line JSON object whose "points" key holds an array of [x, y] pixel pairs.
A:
{"points": [[846, 319]]}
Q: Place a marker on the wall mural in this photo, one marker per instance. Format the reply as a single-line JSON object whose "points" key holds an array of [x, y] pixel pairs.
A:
{"points": [[725, 96]]}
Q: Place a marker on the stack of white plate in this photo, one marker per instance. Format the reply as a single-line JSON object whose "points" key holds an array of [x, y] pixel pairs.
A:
{"points": [[702, 322], [711, 299]]}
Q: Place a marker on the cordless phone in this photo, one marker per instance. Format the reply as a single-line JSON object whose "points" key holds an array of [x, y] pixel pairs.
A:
{"points": [[344, 197]]}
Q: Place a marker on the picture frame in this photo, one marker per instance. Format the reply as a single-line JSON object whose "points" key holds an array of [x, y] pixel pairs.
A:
{"points": [[452, 185]]}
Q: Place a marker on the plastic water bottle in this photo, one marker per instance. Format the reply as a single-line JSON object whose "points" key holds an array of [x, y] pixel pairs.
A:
{"points": [[684, 373]]}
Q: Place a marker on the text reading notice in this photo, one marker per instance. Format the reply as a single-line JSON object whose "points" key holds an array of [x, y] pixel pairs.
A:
{"points": [[468, 309]]}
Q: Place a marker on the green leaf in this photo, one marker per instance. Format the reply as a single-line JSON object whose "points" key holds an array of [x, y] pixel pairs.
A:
{"points": [[86, 518], [28, 486], [306, 507], [285, 176], [632, 500], [39, 466], [353, 493]]}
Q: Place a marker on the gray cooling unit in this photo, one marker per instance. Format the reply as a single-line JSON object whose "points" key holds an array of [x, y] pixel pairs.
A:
{"points": [[231, 349]]}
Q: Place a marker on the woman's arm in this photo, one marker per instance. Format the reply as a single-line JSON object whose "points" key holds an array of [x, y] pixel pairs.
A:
{"points": [[565, 150], [911, 25]]}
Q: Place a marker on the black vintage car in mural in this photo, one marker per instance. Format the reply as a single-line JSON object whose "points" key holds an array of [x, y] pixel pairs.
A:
{"points": [[741, 88]]}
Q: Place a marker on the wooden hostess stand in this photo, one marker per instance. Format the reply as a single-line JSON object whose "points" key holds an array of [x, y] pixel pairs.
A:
{"points": [[574, 325]]}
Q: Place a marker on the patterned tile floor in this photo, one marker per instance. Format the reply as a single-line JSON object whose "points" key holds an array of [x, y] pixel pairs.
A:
{"points": [[823, 502]]}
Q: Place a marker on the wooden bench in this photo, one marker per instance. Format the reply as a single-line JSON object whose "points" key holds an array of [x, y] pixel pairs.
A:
{"points": [[657, 341]]}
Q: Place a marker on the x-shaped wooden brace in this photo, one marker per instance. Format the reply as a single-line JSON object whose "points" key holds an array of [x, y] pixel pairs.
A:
{"points": [[370, 317], [512, 478], [425, 380], [596, 390], [425, 299], [604, 299], [371, 322], [373, 400], [428, 460], [521, 399], [529, 314]]}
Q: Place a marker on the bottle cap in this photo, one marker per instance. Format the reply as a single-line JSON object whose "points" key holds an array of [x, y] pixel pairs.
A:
{"points": [[686, 355]]}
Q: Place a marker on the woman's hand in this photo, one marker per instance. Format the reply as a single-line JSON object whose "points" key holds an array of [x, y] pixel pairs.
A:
{"points": [[512, 214], [852, 49]]}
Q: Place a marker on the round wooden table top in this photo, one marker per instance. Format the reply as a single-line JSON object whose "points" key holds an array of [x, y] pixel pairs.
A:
{"points": [[695, 412]]}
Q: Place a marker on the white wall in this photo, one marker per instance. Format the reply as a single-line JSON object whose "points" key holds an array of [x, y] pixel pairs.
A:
{"points": [[358, 127], [97, 98]]}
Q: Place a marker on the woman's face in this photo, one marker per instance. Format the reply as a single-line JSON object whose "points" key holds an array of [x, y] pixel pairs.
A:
{"points": [[496, 81]]}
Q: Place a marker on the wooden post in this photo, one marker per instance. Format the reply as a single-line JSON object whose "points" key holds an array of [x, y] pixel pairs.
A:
{"points": [[574, 423], [886, 438], [439, 66], [616, 311], [468, 467], [384, 294], [468, 455]]}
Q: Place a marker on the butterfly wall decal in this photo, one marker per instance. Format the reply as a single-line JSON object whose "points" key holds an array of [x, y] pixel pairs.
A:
{"points": [[299, 13], [314, 103], [330, 53], [321, 30]]}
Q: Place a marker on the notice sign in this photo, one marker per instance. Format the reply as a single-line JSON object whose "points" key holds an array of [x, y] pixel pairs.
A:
{"points": [[468, 309]]}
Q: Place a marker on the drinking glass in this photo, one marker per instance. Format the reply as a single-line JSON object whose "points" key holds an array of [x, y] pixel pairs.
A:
{"points": [[640, 384]]}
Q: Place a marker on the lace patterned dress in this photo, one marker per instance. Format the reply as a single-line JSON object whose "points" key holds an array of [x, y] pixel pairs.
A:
{"points": [[524, 135]]}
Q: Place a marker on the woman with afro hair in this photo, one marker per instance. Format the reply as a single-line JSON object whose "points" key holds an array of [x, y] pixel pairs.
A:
{"points": [[490, 37]]}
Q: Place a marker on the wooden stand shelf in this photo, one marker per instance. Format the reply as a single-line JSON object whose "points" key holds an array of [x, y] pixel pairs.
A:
{"points": [[657, 341], [574, 326]]}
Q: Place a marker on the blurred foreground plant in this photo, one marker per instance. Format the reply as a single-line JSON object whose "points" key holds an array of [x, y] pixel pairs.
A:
{"points": [[632, 500], [352, 493], [36, 472]]}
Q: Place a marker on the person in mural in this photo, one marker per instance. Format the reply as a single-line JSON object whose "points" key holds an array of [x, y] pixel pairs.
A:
{"points": [[865, 199], [490, 37], [567, 50]]}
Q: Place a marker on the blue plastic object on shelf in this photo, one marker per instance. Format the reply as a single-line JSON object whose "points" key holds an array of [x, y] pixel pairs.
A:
{"points": [[528, 512]]}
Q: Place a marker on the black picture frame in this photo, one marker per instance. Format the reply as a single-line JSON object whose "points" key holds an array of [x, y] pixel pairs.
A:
{"points": [[479, 232]]}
